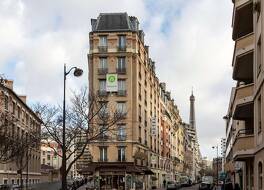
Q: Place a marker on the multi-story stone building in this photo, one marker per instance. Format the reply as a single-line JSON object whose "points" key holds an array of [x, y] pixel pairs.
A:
{"points": [[26, 120], [146, 147], [244, 131], [50, 155]]}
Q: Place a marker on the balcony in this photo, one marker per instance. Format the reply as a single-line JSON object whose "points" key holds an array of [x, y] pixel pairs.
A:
{"points": [[102, 160], [102, 71], [102, 49], [103, 137], [243, 59], [121, 48], [243, 105], [121, 137], [242, 20], [102, 93], [121, 93], [243, 147], [121, 70]]}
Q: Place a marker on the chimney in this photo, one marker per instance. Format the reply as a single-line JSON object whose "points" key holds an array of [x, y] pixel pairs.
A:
{"points": [[147, 49], [134, 23], [9, 84], [23, 98], [163, 85]]}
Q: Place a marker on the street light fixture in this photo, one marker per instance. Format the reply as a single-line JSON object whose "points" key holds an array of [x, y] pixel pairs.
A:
{"points": [[77, 73], [216, 147]]}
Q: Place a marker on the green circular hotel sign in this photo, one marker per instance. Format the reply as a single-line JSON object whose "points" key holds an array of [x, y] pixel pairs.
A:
{"points": [[111, 82], [111, 78]]}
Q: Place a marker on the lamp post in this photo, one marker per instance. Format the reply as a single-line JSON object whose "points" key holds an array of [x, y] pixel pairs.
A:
{"points": [[77, 72], [216, 147]]}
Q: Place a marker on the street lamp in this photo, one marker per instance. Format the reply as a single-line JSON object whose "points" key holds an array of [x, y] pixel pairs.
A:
{"points": [[77, 73], [216, 147]]}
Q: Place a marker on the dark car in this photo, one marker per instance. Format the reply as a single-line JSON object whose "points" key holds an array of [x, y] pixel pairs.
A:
{"points": [[207, 183], [185, 181]]}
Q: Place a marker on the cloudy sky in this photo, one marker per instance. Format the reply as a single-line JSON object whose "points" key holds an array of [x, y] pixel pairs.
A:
{"points": [[189, 40]]}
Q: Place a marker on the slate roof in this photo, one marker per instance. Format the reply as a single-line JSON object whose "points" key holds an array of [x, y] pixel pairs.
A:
{"points": [[114, 22]]}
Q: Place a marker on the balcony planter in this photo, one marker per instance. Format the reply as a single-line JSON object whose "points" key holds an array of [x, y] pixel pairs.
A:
{"points": [[121, 93], [102, 49], [121, 48]]}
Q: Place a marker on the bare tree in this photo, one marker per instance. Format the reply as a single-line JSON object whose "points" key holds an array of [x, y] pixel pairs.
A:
{"points": [[88, 118], [7, 142]]}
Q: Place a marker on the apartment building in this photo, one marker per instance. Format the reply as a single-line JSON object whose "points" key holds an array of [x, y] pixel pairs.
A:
{"points": [[50, 155], [145, 148], [244, 134], [26, 120]]}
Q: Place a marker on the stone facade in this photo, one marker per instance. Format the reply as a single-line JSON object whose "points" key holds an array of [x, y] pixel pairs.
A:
{"points": [[151, 154], [26, 120], [244, 126]]}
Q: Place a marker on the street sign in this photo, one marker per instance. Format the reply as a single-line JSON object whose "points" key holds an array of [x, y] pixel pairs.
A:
{"points": [[111, 83]]}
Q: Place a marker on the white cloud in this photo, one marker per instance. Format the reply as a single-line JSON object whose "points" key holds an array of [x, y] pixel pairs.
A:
{"points": [[189, 40]]}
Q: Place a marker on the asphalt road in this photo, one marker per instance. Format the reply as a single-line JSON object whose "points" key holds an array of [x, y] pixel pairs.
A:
{"points": [[194, 187]]}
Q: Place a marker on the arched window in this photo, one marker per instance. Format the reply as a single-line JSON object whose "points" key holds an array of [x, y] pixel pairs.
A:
{"points": [[260, 176]]}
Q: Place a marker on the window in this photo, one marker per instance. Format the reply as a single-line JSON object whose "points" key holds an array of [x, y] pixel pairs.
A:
{"points": [[121, 63], [139, 133], [103, 41], [43, 161], [48, 157], [121, 107], [121, 132], [122, 41], [103, 131], [103, 154], [139, 91], [259, 114], [103, 63], [18, 112], [5, 181], [121, 85], [14, 107], [102, 85], [103, 112], [6, 102], [121, 154], [43, 153], [259, 56]]}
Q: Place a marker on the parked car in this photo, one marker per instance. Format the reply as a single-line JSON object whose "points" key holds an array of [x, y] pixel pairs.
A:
{"points": [[207, 183], [172, 185], [185, 181]]}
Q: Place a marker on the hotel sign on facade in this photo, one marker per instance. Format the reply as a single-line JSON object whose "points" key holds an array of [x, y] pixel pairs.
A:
{"points": [[111, 83]]}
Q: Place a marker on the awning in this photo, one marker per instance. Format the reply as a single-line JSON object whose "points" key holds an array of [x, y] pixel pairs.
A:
{"points": [[128, 167], [147, 171]]}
